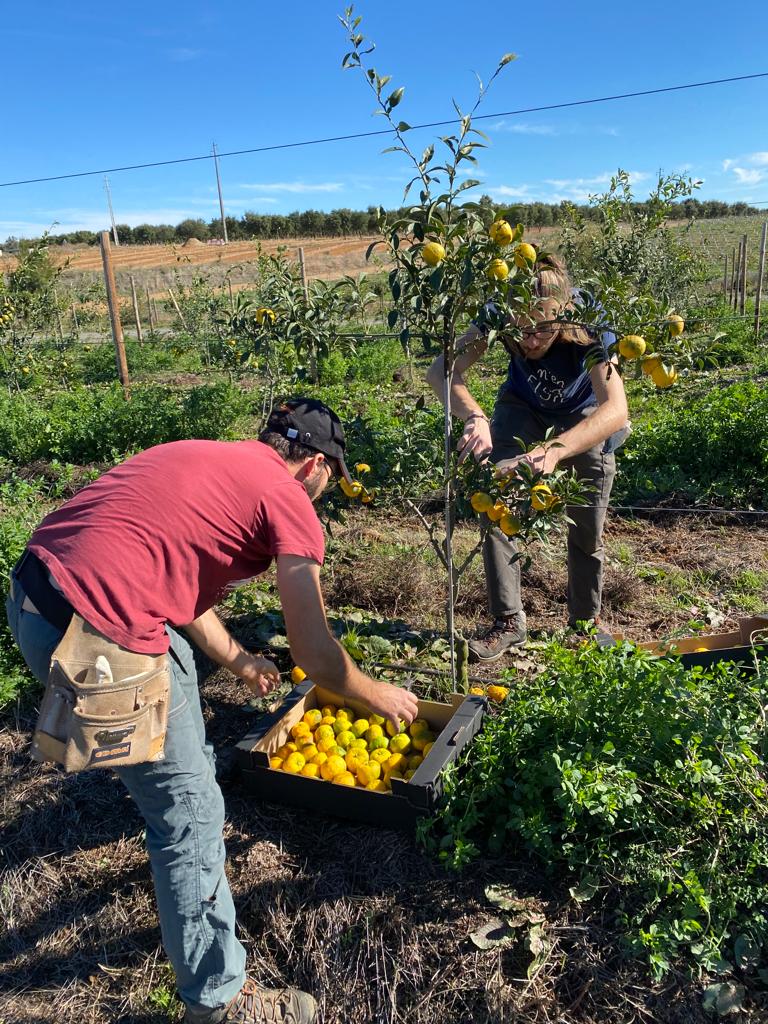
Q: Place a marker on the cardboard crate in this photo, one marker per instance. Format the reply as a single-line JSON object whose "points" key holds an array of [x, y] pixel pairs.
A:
{"points": [[739, 645], [454, 726]]}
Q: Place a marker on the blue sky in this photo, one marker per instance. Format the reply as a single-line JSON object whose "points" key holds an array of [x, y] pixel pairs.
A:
{"points": [[89, 86]]}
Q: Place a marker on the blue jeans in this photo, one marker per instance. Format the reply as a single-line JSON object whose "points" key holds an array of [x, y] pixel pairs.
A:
{"points": [[183, 808]]}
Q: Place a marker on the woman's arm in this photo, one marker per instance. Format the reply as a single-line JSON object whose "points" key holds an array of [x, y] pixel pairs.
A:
{"points": [[476, 439], [610, 415]]}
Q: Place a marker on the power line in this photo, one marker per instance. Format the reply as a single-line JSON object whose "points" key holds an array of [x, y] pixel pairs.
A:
{"points": [[387, 131]]}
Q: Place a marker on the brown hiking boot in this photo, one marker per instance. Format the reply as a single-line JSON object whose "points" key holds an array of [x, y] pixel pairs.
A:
{"points": [[503, 635], [256, 1005]]}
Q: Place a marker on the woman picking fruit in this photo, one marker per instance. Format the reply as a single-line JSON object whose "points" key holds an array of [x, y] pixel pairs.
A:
{"points": [[560, 376]]}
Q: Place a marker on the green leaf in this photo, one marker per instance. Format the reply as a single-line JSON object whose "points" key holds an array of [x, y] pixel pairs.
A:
{"points": [[395, 97], [403, 126], [493, 934]]}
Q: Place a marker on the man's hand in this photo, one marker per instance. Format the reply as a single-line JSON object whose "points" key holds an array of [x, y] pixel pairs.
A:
{"points": [[541, 460], [260, 675], [393, 702], [476, 440]]}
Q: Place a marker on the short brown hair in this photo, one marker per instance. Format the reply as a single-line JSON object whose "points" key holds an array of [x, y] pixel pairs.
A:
{"points": [[289, 451]]}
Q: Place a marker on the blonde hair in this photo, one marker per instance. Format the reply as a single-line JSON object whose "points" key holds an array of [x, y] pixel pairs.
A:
{"points": [[552, 281]]}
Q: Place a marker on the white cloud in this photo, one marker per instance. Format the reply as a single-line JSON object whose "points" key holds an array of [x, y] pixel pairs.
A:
{"points": [[749, 175], [728, 164], [511, 191], [759, 158], [296, 187], [523, 128]]}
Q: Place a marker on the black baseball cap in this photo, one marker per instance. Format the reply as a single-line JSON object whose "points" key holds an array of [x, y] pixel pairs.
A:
{"points": [[312, 423]]}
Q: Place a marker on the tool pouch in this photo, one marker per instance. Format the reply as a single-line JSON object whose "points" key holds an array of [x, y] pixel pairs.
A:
{"points": [[103, 705]]}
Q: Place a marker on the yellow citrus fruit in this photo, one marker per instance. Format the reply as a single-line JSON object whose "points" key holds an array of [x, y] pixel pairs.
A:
{"points": [[433, 253], [392, 731], [498, 270], [477, 690], [276, 763], [699, 650], [510, 525], [339, 751], [498, 510], [379, 743], [400, 744], [427, 748], [542, 497], [676, 326], [344, 738], [360, 727], [414, 761], [345, 779], [409, 774], [388, 776], [347, 713], [353, 489], [377, 786], [500, 232], [376, 719], [263, 313], [373, 732], [418, 726], [649, 363], [300, 729], [395, 763], [311, 770], [368, 772], [362, 467], [319, 759], [632, 346], [525, 254], [313, 717], [481, 502], [423, 740], [324, 732], [286, 750], [380, 755], [325, 746], [294, 763], [298, 675], [356, 755], [497, 693], [308, 751], [328, 710], [664, 376], [340, 725], [332, 767]]}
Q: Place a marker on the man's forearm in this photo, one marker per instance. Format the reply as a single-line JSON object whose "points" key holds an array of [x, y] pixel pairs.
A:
{"points": [[595, 428], [328, 664], [214, 639]]}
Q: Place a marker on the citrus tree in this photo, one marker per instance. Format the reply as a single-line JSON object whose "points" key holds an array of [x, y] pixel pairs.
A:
{"points": [[454, 261]]}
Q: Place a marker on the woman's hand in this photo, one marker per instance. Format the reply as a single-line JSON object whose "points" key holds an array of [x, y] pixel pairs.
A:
{"points": [[260, 675], [541, 460], [476, 439]]}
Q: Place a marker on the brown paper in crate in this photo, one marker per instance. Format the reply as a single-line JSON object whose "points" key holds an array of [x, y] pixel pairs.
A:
{"points": [[103, 705]]}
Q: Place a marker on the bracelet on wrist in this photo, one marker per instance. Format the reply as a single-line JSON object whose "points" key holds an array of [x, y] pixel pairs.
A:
{"points": [[477, 416]]}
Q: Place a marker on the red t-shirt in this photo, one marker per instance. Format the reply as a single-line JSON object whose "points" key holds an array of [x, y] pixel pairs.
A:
{"points": [[160, 537]]}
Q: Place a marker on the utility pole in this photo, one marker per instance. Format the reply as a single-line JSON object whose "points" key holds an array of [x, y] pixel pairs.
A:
{"points": [[221, 198], [111, 211]]}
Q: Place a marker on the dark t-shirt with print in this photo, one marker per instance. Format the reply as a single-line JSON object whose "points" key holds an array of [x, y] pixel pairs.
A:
{"points": [[559, 381]]}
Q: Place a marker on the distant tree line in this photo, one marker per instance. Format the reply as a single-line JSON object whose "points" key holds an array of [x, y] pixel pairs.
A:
{"points": [[343, 222]]}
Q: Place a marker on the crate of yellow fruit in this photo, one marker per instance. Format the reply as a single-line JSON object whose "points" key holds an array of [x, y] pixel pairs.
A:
{"points": [[330, 755]]}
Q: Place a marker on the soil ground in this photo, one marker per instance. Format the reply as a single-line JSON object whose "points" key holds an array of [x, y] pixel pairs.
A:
{"points": [[359, 916]]}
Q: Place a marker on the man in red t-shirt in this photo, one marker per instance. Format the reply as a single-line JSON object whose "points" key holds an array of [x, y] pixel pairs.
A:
{"points": [[142, 555]]}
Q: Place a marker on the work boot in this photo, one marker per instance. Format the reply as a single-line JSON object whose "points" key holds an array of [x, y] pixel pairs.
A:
{"points": [[256, 1005], [504, 634]]}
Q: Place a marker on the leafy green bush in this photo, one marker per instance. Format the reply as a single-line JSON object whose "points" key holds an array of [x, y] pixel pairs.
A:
{"points": [[636, 779], [98, 361], [95, 424], [20, 504], [712, 448]]}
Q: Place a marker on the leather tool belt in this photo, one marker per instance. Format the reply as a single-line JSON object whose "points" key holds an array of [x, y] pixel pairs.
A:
{"points": [[104, 706]]}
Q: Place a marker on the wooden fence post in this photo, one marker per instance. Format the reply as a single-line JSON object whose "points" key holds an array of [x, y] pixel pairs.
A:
{"points": [[149, 309], [305, 286], [178, 310], [75, 324], [725, 276], [732, 296], [114, 313], [743, 295], [760, 272], [137, 318]]}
